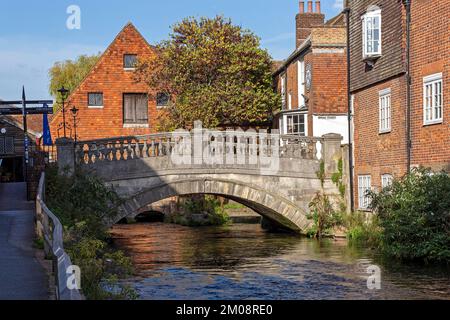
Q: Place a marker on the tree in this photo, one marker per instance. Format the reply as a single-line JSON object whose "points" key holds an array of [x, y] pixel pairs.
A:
{"points": [[70, 73], [215, 72]]}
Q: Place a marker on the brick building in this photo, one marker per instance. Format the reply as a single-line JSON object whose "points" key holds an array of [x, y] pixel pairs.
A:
{"points": [[110, 101], [379, 87], [312, 80]]}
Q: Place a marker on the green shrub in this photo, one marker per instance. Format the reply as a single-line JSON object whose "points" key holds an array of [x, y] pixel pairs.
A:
{"points": [[363, 229], [209, 206], [414, 213], [322, 211], [82, 202]]}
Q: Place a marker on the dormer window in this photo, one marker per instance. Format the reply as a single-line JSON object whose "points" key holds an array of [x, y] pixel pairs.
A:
{"points": [[371, 31], [129, 61]]}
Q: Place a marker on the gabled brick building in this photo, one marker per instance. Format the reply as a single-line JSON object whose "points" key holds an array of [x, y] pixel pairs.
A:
{"points": [[110, 101], [395, 126], [313, 80]]}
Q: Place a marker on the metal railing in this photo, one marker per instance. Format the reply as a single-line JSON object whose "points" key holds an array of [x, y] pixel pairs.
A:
{"points": [[51, 230]]}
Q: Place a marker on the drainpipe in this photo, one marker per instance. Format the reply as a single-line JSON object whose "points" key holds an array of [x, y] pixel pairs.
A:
{"points": [[408, 85], [349, 112]]}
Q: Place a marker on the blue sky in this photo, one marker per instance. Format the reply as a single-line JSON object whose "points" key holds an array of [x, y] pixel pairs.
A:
{"points": [[33, 34]]}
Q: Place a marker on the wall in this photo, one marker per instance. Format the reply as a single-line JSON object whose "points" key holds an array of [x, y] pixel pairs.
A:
{"points": [[328, 125], [375, 153], [430, 50], [109, 77], [392, 60]]}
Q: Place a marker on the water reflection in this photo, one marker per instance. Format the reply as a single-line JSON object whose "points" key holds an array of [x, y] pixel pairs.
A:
{"points": [[244, 262]]}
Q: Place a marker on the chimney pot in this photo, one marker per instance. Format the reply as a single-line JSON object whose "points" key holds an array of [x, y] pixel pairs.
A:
{"points": [[310, 6], [302, 6], [317, 6]]}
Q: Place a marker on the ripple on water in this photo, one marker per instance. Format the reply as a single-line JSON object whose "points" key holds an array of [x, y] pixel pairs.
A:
{"points": [[244, 262]]}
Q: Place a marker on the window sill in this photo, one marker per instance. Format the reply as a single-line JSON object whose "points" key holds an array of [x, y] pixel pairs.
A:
{"points": [[135, 125], [162, 107], [95, 107], [129, 69], [381, 132], [371, 57], [434, 122]]}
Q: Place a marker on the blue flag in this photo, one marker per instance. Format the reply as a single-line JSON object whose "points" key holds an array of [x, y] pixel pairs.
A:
{"points": [[46, 134]]}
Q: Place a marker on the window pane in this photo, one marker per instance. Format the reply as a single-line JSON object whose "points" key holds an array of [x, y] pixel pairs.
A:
{"points": [[162, 99], [129, 61], [129, 115], [141, 108], [95, 99]]}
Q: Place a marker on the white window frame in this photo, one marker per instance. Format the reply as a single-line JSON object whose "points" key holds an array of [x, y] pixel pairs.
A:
{"points": [[385, 111], [283, 91], [301, 83], [289, 101], [386, 180], [364, 185], [285, 123], [366, 18], [433, 101]]}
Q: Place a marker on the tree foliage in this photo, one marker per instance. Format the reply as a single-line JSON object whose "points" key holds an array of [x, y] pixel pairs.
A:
{"points": [[215, 72], [70, 73], [414, 214]]}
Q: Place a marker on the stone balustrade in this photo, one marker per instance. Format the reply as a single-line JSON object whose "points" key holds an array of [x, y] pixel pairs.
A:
{"points": [[164, 144]]}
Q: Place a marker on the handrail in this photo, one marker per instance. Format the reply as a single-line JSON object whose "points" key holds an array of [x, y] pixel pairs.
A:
{"points": [[51, 230]]}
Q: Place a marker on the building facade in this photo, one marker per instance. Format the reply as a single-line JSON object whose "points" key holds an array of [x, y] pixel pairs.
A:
{"points": [[313, 80], [391, 134], [110, 100]]}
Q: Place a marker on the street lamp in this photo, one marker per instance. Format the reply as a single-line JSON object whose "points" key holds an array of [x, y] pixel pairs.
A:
{"points": [[64, 94], [74, 111]]}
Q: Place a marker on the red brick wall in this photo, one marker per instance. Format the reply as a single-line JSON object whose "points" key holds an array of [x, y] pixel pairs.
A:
{"points": [[109, 77], [304, 23], [376, 154], [430, 54], [292, 85], [329, 83]]}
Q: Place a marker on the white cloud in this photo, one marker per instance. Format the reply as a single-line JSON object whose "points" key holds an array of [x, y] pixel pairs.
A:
{"points": [[24, 61]]}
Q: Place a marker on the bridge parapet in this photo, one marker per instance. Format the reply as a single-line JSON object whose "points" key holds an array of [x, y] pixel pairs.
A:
{"points": [[246, 145]]}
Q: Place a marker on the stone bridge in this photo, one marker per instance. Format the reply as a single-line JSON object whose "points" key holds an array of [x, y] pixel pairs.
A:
{"points": [[273, 175]]}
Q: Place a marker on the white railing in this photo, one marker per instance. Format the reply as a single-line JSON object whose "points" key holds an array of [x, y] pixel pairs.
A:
{"points": [[51, 230]]}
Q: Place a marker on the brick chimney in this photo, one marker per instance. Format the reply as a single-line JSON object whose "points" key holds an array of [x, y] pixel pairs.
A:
{"points": [[305, 21]]}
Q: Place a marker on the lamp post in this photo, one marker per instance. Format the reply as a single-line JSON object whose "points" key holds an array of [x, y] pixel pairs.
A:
{"points": [[64, 94], [74, 111]]}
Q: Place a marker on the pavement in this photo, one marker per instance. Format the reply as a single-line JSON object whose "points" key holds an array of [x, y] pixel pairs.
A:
{"points": [[22, 276]]}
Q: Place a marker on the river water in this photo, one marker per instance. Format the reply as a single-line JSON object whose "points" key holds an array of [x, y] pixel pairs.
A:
{"points": [[242, 261]]}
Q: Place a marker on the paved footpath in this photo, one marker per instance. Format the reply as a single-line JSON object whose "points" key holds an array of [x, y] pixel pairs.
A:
{"points": [[22, 277]]}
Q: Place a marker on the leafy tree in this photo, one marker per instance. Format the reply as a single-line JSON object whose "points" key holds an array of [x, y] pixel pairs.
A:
{"points": [[414, 214], [215, 72], [70, 73]]}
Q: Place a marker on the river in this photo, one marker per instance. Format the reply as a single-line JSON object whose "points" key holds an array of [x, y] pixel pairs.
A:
{"points": [[242, 261]]}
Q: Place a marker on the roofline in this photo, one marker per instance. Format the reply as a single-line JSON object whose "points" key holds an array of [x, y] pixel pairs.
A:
{"points": [[19, 125], [100, 58], [298, 52]]}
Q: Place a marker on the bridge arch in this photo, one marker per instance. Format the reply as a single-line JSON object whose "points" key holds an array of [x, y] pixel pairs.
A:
{"points": [[268, 204]]}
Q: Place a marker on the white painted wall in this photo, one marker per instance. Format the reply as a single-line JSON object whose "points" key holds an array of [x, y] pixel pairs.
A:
{"points": [[330, 124]]}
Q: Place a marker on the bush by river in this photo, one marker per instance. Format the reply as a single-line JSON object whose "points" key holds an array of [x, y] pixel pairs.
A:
{"points": [[82, 202]]}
